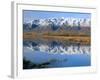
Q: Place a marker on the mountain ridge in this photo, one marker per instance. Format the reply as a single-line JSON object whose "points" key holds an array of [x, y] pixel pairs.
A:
{"points": [[55, 24]]}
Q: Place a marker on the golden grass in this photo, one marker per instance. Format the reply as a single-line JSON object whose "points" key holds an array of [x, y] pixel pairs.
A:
{"points": [[76, 38]]}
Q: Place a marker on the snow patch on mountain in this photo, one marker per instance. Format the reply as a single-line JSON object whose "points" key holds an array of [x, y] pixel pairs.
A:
{"points": [[55, 23]]}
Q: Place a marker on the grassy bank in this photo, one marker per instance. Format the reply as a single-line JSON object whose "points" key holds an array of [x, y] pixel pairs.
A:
{"points": [[76, 37]]}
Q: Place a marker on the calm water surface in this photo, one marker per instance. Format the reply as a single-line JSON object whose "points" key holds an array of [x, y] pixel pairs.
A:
{"points": [[57, 53]]}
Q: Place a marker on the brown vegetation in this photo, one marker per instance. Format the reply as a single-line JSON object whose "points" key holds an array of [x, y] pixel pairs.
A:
{"points": [[77, 38]]}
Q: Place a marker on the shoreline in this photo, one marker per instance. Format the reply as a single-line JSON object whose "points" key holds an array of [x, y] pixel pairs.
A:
{"points": [[76, 38]]}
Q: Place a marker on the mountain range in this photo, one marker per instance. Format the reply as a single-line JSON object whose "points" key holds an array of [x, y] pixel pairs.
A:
{"points": [[56, 24]]}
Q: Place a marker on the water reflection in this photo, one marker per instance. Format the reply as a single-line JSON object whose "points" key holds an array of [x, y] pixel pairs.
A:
{"points": [[55, 47], [54, 53]]}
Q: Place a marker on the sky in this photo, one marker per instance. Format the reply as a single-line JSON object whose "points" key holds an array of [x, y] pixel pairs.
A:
{"points": [[29, 15]]}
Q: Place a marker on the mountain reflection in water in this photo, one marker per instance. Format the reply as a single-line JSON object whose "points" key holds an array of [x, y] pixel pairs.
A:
{"points": [[58, 53], [54, 47]]}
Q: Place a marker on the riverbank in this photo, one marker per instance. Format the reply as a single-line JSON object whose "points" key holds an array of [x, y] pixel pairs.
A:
{"points": [[75, 38]]}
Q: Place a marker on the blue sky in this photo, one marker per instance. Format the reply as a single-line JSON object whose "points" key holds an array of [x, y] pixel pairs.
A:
{"points": [[29, 15]]}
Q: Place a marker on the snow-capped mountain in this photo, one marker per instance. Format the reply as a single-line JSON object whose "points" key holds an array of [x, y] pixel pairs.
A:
{"points": [[56, 23]]}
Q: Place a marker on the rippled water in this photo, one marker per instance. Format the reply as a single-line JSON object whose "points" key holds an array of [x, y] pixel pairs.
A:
{"points": [[56, 53]]}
